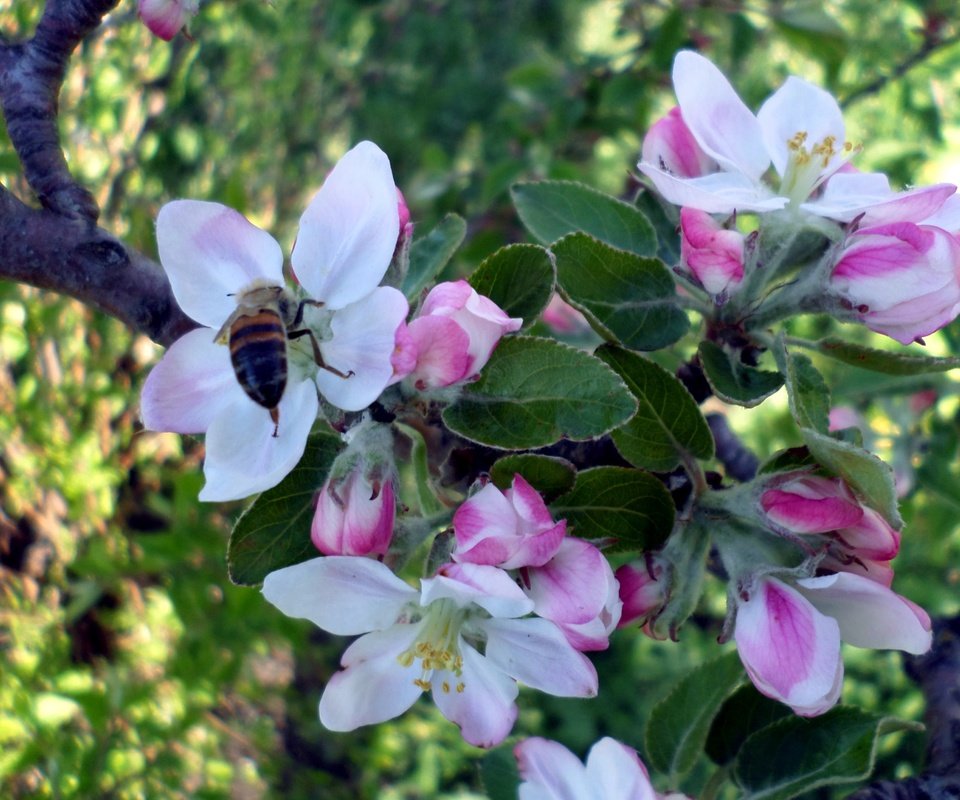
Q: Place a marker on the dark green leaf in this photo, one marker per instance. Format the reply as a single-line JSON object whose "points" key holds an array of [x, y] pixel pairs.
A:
{"points": [[519, 278], [678, 725], [734, 382], [665, 219], [628, 505], [627, 298], [274, 531], [808, 391], [498, 771], [887, 361], [427, 501], [796, 755], [549, 475], [552, 209], [744, 712], [430, 254], [686, 554], [668, 425], [534, 392]]}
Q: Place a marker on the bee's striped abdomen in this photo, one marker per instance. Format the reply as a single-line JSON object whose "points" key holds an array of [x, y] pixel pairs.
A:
{"points": [[258, 350]]}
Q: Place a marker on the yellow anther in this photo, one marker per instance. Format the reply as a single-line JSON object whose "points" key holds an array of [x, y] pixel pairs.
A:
{"points": [[420, 683], [445, 687]]}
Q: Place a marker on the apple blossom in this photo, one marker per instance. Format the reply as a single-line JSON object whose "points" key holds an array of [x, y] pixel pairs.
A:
{"points": [[642, 591], [612, 771], [454, 334], [900, 279], [211, 253], [711, 253], [799, 129], [464, 636], [166, 18], [788, 637]]}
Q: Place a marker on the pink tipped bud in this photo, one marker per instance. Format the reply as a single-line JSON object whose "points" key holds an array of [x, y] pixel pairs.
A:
{"points": [[642, 590], [166, 18], [710, 252], [903, 279], [670, 145], [354, 517], [406, 226], [811, 504]]}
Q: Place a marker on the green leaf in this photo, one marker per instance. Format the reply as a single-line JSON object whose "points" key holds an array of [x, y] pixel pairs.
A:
{"points": [[498, 771], [734, 382], [686, 553], [274, 531], [886, 361], [430, 254], [628, 505], [427, 501], [668, 426], [679, 724], [808, 391], [796, 755], [627, 298], [549, 475], [867, 474], [552, 209], [665, 219], [744, 712], [519, 278], [534, 392]]}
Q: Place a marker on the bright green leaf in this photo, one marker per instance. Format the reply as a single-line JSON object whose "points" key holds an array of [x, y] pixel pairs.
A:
{"points": [[549, 475], [796, 755], [679, 724], [668, 426], [627, 298], [519, 278], [628, 505], [430, 254], [534, 392], [552, 209], [274, 531], [734, 382]]}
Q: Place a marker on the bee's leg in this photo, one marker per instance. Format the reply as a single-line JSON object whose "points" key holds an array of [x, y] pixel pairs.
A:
{"points": [[275, 416], [298, 317], [317, 356]]}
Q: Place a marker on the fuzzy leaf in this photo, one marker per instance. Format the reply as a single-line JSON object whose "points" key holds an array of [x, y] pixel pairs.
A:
{"points": [[734, 382], [886, 361], [274, 531], [744, 712], [430, 254], [534, 392], [627, 505], [668, 425], [552, 209], [627, 299], [549, 475], [519, 278]]}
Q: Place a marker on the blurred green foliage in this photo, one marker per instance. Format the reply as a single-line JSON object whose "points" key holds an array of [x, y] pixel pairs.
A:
{"points": [[129, 667]]}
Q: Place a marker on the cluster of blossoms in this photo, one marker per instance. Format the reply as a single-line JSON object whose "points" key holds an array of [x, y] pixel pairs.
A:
{"points": [[788, 629], [346, 241], [896, 264], [467, 636]]}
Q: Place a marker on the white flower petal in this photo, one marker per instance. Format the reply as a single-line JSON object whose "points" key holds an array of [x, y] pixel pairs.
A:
{"points": [[210, 251], [364, 336], [243, 456], [350, 228], [190, 386], [552, 772], [480, 700], [488, 587], [616, 771], [723, 126], [716, 193], [869, 614], [800, 107], [535, 652], [345, 595], [375, 686]]}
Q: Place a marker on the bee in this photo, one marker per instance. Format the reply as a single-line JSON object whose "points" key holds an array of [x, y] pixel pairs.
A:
{"points": [[257, 333]]}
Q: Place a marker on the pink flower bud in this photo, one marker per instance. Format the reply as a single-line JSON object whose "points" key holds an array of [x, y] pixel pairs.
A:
{"points": [[562, 317], [642, 591], [165, 18], [406, 226], [902, 279], [354, 517], [710, 252], [670, 145], [455, 333], [811, 504]]}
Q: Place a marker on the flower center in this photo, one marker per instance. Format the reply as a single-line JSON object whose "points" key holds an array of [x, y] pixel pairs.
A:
{"points": [[810, 163], [437, 647]]}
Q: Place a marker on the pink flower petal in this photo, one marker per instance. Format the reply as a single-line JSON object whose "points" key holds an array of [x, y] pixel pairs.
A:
{"points": [[441, 347], [211, 252], [488, 587], [349, 231], [670, 146], [573, 586], [811, 504], [789, 649], [484, 526], [711, 253], [552, 770]]}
